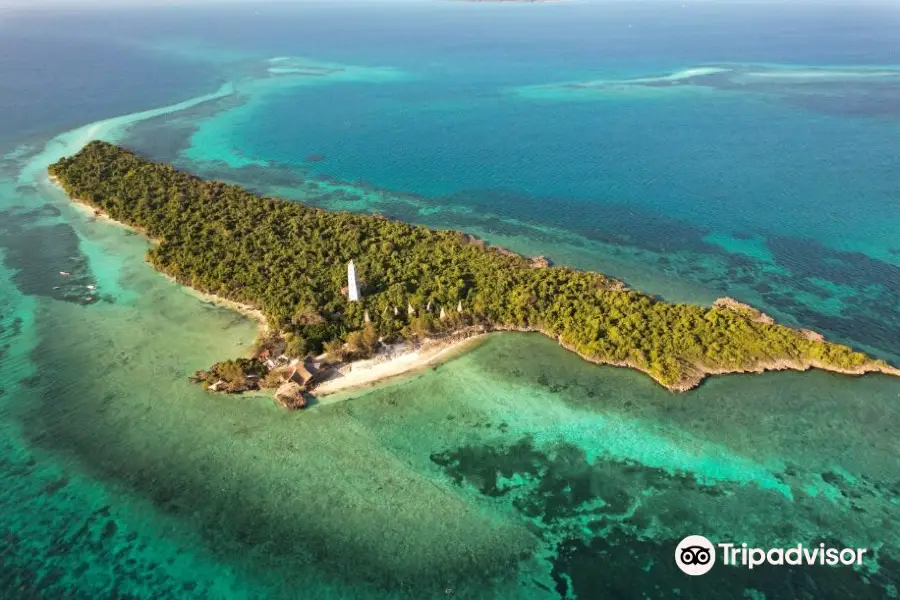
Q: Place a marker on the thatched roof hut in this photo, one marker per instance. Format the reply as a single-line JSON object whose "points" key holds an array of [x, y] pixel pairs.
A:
{"points": [[300, 374]]}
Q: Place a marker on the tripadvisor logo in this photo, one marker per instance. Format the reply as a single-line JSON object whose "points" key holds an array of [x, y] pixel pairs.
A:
{"points": [[696, 555]]}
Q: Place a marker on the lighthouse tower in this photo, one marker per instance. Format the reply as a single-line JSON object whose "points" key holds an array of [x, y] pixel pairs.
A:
{"points": [[352, 290]]}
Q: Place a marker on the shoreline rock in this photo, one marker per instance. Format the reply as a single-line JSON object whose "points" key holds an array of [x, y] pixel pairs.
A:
{"points": [[290, 396], [754, 314]]}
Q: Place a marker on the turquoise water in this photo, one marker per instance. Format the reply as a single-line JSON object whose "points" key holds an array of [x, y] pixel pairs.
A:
{"points": [[681, 150]]}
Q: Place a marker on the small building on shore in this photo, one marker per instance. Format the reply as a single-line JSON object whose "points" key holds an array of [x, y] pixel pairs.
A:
{"points": [[304, 372], [300, 374], [275, 362]]}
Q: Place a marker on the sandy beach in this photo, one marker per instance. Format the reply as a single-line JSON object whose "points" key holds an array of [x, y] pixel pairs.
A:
{"points": [[94, 213], [398, 359]]}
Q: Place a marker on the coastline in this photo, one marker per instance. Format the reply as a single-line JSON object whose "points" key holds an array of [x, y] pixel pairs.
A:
{"points": [[400, 359], [371, 371], [97, 214], [248, 310], [701, 372]]}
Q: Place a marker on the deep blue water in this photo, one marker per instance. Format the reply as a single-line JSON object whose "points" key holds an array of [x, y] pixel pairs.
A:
{"points": [[801, 169], [60, 72]]}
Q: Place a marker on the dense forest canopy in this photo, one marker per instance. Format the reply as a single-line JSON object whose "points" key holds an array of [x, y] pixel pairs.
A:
{"points": [[290, 260]]}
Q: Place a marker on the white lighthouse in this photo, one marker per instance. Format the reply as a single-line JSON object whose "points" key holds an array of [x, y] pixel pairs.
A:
{"points": [[352, 290]]}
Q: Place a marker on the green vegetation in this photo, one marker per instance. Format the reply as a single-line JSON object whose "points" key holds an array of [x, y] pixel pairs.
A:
{"points": [[234, 375], [290, 260]]}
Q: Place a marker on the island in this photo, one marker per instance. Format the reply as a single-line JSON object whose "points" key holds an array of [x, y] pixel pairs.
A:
{"points": [[335, 288]]}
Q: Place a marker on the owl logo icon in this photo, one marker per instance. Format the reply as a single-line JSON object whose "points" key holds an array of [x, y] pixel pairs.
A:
{"points": [[695, 555]]}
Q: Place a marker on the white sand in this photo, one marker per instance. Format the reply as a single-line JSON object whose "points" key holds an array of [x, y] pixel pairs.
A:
{"points": [[398, 360]]}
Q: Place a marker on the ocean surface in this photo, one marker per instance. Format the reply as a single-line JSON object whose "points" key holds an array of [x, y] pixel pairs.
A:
{"points": [[693, 150]]}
